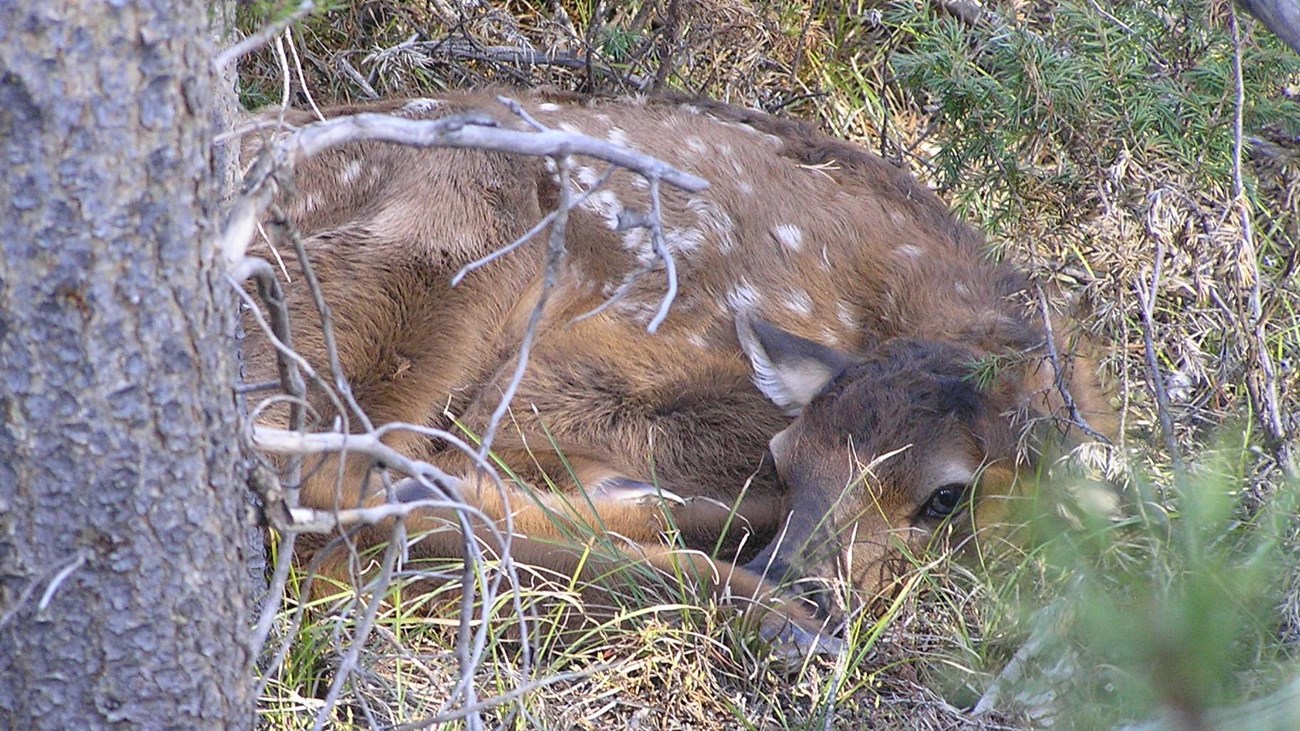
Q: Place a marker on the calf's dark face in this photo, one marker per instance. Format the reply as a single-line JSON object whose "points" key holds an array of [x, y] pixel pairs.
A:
{"points": [[887, 452]]}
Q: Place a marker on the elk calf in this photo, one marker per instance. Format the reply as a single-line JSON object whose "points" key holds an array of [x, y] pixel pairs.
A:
{"points": [[817, 373]]}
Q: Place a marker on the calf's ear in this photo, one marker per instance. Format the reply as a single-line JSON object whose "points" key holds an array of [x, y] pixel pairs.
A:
{"points": [[788, 369]]}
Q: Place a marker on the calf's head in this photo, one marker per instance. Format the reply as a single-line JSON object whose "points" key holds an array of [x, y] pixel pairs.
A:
{"points": [[889, 450]]}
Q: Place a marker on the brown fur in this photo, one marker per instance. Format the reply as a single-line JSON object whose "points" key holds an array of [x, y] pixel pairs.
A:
{"points": [[824, 241]]}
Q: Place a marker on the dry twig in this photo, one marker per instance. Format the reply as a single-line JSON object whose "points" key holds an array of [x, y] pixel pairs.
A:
{"points": [[1058, 371], [1146, 304], [479, 132], [263, 36], [1261, 381]]}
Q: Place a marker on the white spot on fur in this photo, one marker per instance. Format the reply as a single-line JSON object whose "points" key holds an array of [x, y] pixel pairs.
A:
{"points": [[566, 127], [551, 167], [548, 107], [605, 204], [617, 136], [690, 109], [417, 107], [799, 302], [830, 337], [641, 312], [697, 339], [825, 264], [886, 313], [696, 145], [773, 139], [715, 222], [910, 251], [634, 239], [788, 235], [744, 187], [683, 240], [743, 297], [844, 313], [351, 171], [961, 289], [310, 203], [584, 175]]}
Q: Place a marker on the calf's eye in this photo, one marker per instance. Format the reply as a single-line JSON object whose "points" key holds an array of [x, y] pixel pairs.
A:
{"points": [[945, 500]]}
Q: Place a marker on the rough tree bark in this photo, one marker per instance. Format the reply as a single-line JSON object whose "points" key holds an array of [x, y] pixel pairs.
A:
{"points": [[123, 602], [1281, 16]]}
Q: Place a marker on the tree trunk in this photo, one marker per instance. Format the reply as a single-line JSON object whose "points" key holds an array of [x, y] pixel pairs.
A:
{"points": [[123, 602], [1280, 16]]}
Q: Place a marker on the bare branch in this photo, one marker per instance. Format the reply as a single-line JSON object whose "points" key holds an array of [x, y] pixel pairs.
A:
{"points": [[263, 36], [247, 388], [1261, 381], [477, 131], [303, 86], [309, 520], [661, 250], [269, 289], [346, 68], [280, 441], [530, 233], [341, 386], [292, 383], [654, 222], [518, 110], [349, 662], [1058, 371], [554, 256], [1146, 302]]}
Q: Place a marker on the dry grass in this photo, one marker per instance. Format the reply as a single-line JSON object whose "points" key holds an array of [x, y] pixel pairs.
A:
{"points": [[1086, 206], [675, 665]]}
